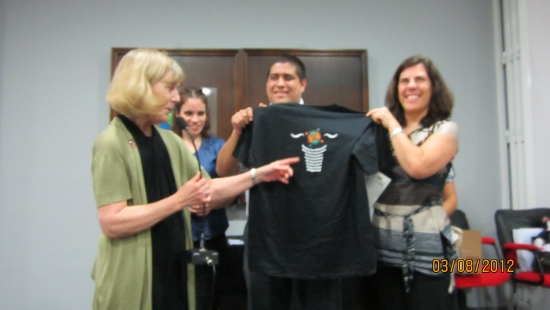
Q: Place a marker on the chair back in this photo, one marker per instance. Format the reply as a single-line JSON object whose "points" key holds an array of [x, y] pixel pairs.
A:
{"points": [[508, 220]]}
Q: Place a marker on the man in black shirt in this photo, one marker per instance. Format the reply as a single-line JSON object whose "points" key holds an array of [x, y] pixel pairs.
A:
{"points": [[285, 84], [286, 81]]}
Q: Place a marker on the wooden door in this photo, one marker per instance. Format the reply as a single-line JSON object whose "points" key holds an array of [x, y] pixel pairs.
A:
{"points": [[239, 77]]}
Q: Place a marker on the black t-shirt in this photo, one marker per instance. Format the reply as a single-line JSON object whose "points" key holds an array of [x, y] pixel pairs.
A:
{"points": [[318, 226]]}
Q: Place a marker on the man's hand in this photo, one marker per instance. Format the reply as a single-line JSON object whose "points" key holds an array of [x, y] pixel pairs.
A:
{"points": [[240, 119], [226, 164]]}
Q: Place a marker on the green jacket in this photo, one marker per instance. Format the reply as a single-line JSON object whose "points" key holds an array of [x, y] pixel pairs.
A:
{"points": [[123, 268]]}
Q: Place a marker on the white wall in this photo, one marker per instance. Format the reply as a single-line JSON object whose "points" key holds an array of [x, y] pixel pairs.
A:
{"points": [[539, 51], [54, 72]]}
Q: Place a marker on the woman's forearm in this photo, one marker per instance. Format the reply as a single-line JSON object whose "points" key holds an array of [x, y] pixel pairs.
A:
{"points": [[229, 187], [424, 161], [224, 189], [119, 220]]}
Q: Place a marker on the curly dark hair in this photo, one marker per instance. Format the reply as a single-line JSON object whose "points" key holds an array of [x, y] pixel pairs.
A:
{"points": [[441, 100], [186, 93]]}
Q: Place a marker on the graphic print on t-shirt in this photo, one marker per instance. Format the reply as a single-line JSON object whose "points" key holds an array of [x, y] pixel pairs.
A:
{"points": [[313, 153], [318, 225]]}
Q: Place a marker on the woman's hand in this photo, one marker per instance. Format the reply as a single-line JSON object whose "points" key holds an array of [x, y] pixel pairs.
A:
{"points": [[226, 189], [200, 209], [196, 191], [279, 170], [422, 161], [119, 220], [384, 117]]}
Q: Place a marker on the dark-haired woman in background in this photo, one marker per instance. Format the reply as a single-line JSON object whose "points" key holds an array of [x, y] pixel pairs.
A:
{"points": [[194, 110], [411, 226], [450, 198]]}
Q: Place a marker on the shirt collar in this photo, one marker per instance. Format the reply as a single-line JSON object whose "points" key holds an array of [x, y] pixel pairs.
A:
{"points": [[300, 102]]}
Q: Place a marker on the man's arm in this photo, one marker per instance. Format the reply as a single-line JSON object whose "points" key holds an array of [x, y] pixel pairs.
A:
{"points": [[226, 164]]}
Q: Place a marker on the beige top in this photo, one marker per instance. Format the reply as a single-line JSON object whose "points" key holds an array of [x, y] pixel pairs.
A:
{"points": [[409, 216]]}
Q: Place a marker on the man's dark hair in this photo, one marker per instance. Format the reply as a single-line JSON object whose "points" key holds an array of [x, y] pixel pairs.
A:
{"points": [[441, 100], [295, 61]]}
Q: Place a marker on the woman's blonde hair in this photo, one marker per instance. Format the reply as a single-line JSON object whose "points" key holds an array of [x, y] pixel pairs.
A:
{"points": [[130, 92]]}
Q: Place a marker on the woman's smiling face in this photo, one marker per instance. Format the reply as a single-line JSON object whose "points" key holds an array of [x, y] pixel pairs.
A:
{"points": [[415, 90], [193, 111]]}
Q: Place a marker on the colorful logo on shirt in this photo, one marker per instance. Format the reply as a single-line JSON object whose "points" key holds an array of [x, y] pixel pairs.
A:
{"points": [[314, 150], [314, 137]]}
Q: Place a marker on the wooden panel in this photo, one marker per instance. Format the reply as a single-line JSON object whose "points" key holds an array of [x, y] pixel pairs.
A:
{"points": [[217, 72], [334, 76], [337, 76]]}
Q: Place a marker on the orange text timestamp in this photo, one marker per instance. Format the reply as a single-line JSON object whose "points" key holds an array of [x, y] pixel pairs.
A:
{"points": [[472, 265]]}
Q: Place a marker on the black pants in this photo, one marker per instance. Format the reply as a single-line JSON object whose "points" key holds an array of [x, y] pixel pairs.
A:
{"points": [[360, 293], [275, 293], [204, 276], [426, 292]]}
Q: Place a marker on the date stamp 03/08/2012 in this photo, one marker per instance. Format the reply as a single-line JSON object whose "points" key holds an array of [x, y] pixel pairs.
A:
{"points": [[472, 265]]}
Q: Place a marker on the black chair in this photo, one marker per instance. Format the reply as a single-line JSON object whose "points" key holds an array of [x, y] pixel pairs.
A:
{"points": [[508, 220]]}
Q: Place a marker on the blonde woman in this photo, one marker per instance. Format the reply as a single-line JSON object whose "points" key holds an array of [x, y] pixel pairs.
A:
{"points": [[145, 180]]}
